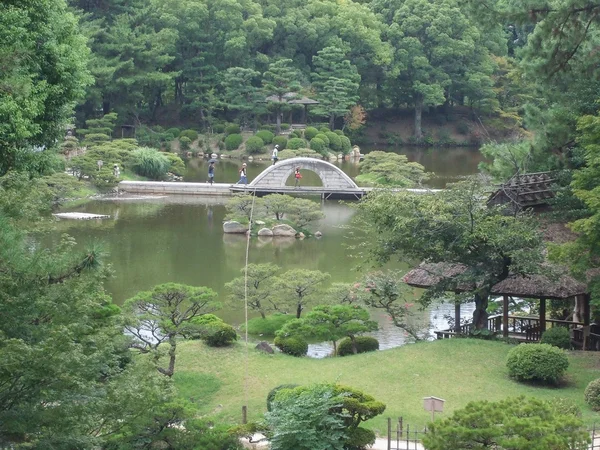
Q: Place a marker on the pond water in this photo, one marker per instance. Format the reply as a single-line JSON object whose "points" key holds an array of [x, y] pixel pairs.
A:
{"points": [[180, 239]]}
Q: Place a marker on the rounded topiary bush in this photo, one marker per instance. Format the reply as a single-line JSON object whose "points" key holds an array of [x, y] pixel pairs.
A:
{"points": [[266, 136], [175, 132], [317, 145], [310, 132], [281, 141], [364, 344], [285, 126], [192, 134], [592, 394], [346, 145], [291, 346], [335, 143], [232, 129], [233, 141], [219, 334], [296, 143], [296, 133], [184, 142], [218, 128], [254, 145], [324, 129], [359, 438], [323, 137], [541, 363], [273, 392], [558, 336], [338, 132]]}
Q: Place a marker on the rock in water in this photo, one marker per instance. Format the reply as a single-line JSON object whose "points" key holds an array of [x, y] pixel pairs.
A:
{"points": [[318, 234], [234, 227], [265, 232], [263, 346], [283, 230]]}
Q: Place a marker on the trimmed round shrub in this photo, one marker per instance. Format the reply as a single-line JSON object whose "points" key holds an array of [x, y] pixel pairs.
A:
{"points": [[296, 133], [296, 143], [335, 143], [273, 392], [317, 145], [184, 143], [266, 136], [174, 131], [232, 129], [218, 128], [364, 344], [346, 145], [285, 126], [192, 134], [310, 132], [254, 145], [338, 132], [233, 141], [359, 438], [281, 141], [219, 334], [324, 138], [592, 394], [540, 363], [291, 346], [565, 406], [324, 129], [149, 162], [558, 336]]}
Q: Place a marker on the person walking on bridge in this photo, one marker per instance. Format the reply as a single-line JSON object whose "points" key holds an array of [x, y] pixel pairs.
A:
{"points": [[297, 176], [274, 155], [243, 176]]}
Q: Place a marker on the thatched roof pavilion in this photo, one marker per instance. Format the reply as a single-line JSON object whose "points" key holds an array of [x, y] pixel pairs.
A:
{"points": [[524, 191], [535, 286], [292, 98]]}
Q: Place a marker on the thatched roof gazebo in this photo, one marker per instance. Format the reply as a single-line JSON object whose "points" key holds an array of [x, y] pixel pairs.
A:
{"points": [[526, 191], [534, 286], [293, 98]]}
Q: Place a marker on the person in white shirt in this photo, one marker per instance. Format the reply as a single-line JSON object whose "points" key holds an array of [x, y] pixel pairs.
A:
{"points": [[274, 155]]}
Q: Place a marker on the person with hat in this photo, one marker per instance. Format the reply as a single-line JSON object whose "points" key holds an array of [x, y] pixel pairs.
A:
{"points": [[274, 155], [243, 178]]}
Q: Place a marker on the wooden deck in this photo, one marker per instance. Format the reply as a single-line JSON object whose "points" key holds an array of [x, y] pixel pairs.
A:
{"points": [[527, 329]]}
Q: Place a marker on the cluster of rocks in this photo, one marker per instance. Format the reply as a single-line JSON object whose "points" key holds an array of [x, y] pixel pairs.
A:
{"points": [[280, 230], [354, 154]]}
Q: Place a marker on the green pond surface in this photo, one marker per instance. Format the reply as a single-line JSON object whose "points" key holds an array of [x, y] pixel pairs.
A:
{"points": [[180, 239]]}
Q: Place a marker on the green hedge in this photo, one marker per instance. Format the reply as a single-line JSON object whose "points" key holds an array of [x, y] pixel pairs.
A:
{"points": [[339, 132], [558, 336], [266, 136], [296, 143], [541, 363], [317, 145], [218, 128], [269, 325], [592, 394], [273, 392], [233, 141], [310, 132], [359, 438], [281, 141], [232, 129], [184, 143], [292, 346], [364, 344], [335, 143], [346, 145], [192, 134], [219, 335], [323, 137], [254, 145]]}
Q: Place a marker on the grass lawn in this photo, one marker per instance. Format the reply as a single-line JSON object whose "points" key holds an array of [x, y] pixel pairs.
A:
{"points": [[457, 370]]}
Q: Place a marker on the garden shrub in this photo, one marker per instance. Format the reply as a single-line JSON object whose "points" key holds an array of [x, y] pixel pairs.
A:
{"points": [[218, 128], [324, 129], [273, 392], [359, 438], [296, 133], [176, 164], [307, 152], [537, 362], [346, 145], [233, 141], [292, 345], [219, 335], [184, 143], [317, 145], [192, 134], [335, 143], [266, 136], [281, 141], [324, 138], [565, 406], [339, 132], [285, 126], [592, 394], [149, 162], [310, 132], [364, 344], [558, 336], [254, 145], [232, 129], [269, 325], [175, 132], [296, 143]]}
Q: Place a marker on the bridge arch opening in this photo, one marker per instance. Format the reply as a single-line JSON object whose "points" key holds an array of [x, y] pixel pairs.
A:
{"points": [[309, 178]]}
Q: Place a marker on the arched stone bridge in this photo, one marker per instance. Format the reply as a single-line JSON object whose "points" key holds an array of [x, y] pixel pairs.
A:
{"points": [[276, 176]]}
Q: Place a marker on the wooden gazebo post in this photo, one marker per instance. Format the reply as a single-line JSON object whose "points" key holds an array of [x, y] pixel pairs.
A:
{"points": [[505, 315], [542, 315]]}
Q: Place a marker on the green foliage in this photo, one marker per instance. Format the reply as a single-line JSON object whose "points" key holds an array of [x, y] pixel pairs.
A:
{"points": [[592, 394], [241, 206], [274, 391], [254, 145], [390, 169], [363, 344], [293, 346], [359, 438], [149, 162], [258, 294], [296, 143], [299, 287], [219, 128], [281, 141], [323, 137], [310, 133], [335, 143], [515, 423], [232, 129], [185, 143], [192, 135], [175, 132], [558, 336], [287, 153], [266, 136], [233, 141], [317, 145], [269, 325], [506, 159], [219, 335], [346, 145], [540, 363], [176, 164]]}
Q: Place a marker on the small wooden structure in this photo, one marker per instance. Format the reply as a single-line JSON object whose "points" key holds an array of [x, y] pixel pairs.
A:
{"points": [[127, 131], [535, 286], [526, 191], [292, 98]]}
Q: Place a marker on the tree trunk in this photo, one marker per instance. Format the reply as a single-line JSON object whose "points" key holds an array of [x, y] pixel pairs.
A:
{"points": [[331, 121], [105, 107], [334, 348], [418, 114], [262, 314], [173, 347], [298, 310], [457, 317], [354, 348], [480, 314]]}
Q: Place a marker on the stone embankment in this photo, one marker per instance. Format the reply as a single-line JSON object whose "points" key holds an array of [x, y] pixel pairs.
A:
{"points": [[280, 230]]}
